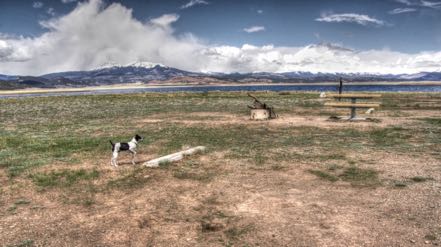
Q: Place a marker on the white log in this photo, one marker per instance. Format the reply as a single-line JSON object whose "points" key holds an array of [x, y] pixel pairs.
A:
{"points": [[173, 157]]}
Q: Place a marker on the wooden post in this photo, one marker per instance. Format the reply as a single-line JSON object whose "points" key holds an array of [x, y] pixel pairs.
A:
{"points": [[340, 88]]}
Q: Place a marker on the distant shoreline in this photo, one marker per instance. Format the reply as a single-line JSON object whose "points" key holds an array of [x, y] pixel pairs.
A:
{"points": [[140, 86]]}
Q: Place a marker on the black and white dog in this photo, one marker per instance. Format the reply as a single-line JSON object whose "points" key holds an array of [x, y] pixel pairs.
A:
{"points": [[124, 146]]}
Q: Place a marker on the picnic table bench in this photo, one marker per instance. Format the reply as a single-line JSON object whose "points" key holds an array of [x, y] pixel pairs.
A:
{"points": [[353, 104]]}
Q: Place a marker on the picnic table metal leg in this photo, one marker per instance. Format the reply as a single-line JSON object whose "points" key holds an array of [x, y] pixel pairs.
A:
{"points": [[353, 109], [353, 113]]}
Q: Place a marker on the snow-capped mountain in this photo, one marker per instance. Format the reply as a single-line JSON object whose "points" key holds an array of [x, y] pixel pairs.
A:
{"points": [[116, 73], [146, 65], [423, 76], [142, 64]]}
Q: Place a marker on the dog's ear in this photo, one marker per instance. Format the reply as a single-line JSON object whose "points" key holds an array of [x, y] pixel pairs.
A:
{"points": [[138, 137]]}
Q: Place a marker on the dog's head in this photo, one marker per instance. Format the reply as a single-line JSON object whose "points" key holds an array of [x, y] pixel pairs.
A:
{"points": [[138, 138]]}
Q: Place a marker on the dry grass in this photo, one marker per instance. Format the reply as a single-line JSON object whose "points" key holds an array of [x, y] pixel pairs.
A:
{"points": [[295, 181]]}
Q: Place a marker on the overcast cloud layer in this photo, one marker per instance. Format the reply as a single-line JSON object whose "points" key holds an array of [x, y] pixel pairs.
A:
{"points": [[94, 34]]}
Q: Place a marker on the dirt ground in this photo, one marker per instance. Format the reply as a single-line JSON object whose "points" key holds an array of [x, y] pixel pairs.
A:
{"points": [[214, 199]]}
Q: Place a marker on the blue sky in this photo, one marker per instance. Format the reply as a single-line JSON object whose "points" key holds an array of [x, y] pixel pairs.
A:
{"points": [[403, 27], [287, 23]]}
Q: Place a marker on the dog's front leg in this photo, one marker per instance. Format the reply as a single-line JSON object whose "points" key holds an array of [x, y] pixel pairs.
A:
{"points": [[114, 160], [133, 156]]}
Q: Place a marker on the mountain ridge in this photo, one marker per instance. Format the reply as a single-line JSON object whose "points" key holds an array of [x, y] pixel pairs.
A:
{"points": [[146, 72]]}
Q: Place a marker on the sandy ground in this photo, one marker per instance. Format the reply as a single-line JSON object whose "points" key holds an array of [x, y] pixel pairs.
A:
{"points": [[240, 205]]}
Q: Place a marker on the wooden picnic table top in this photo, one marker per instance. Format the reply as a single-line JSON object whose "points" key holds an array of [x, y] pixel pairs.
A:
{"points": [[353, 95], [352, 105]]}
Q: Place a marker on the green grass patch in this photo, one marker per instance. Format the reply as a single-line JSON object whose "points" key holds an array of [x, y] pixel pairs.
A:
{"points": [[133, 179], [64, 178], [236, 232], [12, 208], [19, 202], [433, 121], [260, 159], [278, 167], [400, 184], [419, 179], [31, 152], [22, 202], [387, 137], [360, 176], [15, 167], [335, 167], [430, 237], [324, 175], [24, 243], [203, 176], [355, 175]]}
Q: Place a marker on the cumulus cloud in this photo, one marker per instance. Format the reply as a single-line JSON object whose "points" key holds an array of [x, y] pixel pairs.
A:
{"points": [[50, 11], [254, 29], [15, 52], [193, 3], [352, 18], [435, 5], [165, 20], [406, 2], [401, 10], [317, 58], [68, 1], [94, 34], [421, 3], [37, 5]]}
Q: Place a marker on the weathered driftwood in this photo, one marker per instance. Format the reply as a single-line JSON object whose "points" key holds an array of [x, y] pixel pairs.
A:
{"points": [[260, 114], [259, 105], [173, 157]]}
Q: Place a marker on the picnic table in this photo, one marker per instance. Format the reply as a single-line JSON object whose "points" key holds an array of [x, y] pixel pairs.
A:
{"points": [[353, 104]]}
